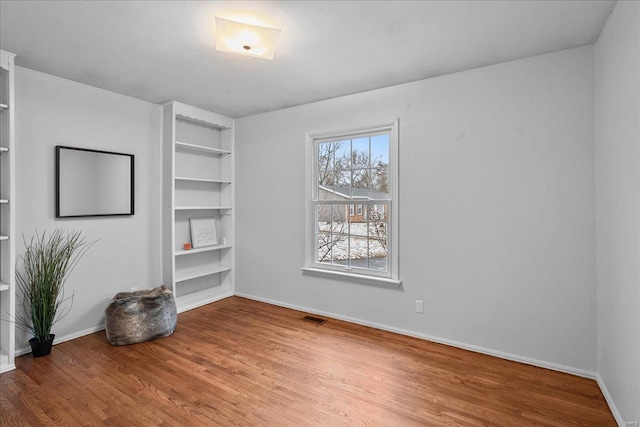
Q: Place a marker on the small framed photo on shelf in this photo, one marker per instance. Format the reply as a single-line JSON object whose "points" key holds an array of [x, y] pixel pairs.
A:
{"points": [[203, 232]]}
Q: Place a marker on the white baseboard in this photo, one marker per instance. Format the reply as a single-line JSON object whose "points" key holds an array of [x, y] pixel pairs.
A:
{"points": [[612, 406], [464, 346], [63, 338], [198, 299], [72, 336]]}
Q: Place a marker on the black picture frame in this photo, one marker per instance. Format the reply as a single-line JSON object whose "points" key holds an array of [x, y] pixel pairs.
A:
{"points": [[62, 213]]}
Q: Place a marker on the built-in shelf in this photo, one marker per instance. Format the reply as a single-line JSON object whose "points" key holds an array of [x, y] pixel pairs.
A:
{"points": [[200, 298], [195, 208], [8, 191], [197, 183], [199, 250], [181, 276], [215, 181], [202, 148], [188, 113]]}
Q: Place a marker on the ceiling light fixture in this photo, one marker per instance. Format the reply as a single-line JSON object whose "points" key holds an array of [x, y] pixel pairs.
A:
{"points": [[246, 39]]}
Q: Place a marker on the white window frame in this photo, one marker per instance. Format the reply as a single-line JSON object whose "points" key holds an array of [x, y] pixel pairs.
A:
{"points": [[392, 275]]}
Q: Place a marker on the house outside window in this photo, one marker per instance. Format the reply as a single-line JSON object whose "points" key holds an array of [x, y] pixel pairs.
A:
{"points": [[342, 237]]}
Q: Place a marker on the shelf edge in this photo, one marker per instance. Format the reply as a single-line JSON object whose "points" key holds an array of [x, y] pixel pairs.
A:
{"points": [[181, 252], [197, 274]]}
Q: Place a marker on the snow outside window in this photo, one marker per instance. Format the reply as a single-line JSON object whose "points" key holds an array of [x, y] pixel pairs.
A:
{"points": [[355, 165]]}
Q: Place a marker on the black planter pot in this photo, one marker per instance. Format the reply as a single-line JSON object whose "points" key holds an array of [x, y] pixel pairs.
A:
{"points": [[41, 348]]}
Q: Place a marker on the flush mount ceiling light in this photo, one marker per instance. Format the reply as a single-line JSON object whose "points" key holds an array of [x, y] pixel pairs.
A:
{"points": [[246, 39]]}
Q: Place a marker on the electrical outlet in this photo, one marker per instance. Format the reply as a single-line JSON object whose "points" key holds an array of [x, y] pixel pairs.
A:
{"points": [[419, 306], [135, 288]]}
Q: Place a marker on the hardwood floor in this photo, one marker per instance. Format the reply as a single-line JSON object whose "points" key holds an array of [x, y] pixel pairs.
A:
{"points": [[241, 362]]}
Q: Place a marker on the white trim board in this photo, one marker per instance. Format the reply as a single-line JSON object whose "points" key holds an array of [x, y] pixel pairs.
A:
{"points": [[185, 303], [470, 347], [612, 406], [464, 346], [89, 331], [502, 355], [63, 338]]}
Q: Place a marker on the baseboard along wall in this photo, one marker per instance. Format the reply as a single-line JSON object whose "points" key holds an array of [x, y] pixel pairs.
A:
{"points": [[464, 346], [612, 406], [457, 344], [507, 356]]}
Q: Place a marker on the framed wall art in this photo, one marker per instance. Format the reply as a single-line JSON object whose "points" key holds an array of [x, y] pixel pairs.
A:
{"points": [[203, 232]]}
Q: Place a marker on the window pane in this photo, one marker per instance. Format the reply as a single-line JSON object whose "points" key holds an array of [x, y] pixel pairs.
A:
{"points": [[380, 181], [361, 183], [377, 231], [358, 222], [329, 192], [323, 241], [339, 219], [360, 256], [332, 232], [351, 172], [326, 178], [358, 251], [323, 218], [364, 251], [326, 153], [342, 154], [376, 261], [332, 248], [323, 233], [360, 153], [343, 183], [380, 149], [340, 248]]}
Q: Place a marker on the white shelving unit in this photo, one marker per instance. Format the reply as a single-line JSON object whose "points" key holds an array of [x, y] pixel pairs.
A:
{"points": [[7, 213], [194, 147], [205, 249], [197, 183], [217, 181], [206, 208]]}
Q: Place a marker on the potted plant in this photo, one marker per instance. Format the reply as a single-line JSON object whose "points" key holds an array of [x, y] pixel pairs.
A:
{"points": [[48, 261]]}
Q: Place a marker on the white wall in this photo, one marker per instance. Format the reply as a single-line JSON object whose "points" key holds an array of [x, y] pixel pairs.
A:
{"points": [[52, 111], [496, 209], [617, 136]]}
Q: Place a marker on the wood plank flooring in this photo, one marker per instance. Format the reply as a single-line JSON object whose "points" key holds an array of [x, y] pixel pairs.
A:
{"points": [[241, 362]]}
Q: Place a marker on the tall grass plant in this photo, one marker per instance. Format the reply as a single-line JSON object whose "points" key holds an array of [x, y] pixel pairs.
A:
{"points": [[48, 261]]}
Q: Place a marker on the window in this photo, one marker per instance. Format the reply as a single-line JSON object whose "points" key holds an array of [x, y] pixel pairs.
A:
{"points": [[354, 239]]}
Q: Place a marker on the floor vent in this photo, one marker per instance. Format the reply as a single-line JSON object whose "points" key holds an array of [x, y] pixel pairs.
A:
{"points": [[316, 320]]}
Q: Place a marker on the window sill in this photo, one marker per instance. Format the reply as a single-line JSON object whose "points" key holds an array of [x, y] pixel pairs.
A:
{"points": [[355, 277]]}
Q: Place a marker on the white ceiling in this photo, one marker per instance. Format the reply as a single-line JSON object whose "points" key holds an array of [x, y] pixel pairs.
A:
{"points": [[164, 50]]}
